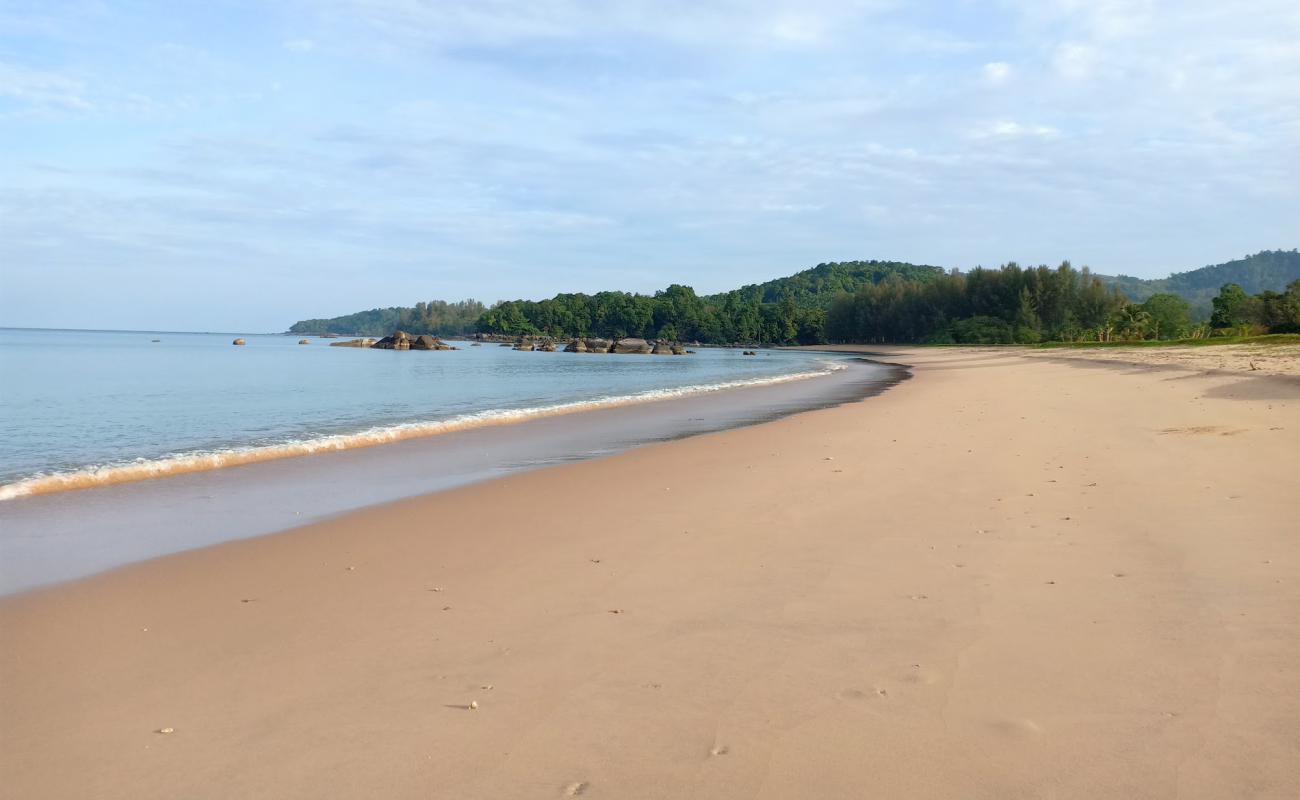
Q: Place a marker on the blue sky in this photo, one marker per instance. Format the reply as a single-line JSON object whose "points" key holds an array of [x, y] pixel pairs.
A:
{"points": [[239, 165]]}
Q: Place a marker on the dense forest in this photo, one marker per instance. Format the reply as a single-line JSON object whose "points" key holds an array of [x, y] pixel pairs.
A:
{"points": [[886, 301], [787, 310]]}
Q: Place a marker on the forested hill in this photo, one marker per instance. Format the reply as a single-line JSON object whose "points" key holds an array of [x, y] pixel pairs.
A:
{"points": [[1268, 270], [819, 286], [436, 317], [876, 301], [784, 309]]}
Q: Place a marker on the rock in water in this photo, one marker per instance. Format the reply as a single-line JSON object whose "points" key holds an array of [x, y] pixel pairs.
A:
{"points": [[631, 345], [304, 341], [662, 349], [354, 343], [598, 345], [239, 342], [575, 346]]}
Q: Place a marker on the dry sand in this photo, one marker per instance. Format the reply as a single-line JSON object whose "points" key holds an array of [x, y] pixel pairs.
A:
{"points": [[1006, 578]]}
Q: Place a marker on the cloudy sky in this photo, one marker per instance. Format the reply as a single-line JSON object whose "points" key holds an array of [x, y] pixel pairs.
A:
{"points": [[232, 165]]}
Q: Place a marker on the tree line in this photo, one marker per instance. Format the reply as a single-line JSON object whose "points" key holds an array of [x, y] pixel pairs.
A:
{"points": [[856, 301]]}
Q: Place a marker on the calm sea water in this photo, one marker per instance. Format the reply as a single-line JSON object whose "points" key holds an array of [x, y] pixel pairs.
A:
{"points": [[91, 408]]}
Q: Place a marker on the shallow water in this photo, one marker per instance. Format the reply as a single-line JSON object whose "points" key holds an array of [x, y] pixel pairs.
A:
{"points": [[58, 536], [83, 408]]}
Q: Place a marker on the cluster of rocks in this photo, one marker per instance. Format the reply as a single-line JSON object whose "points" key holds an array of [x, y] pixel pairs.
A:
{"points": [[545, 344], [401, 340], [542, 344]]}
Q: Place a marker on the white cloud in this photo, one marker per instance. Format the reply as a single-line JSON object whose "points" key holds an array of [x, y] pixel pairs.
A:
{"points": [[1009, 129], [1075, 61], [300, 45], [42, 90], [996, 72]]}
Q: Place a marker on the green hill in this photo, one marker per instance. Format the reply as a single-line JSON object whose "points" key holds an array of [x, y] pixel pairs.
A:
{"points": [[1268, 270], [818, 286]]}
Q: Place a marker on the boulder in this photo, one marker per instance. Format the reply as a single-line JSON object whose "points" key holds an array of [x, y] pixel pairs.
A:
{"points": [[304, 341], [526, 345], [427, 342], [575, 346], [354, 343], [546, 346], [631, 345], [679, 350], [662, 349], [598, 345], [239, 342], [398, 341]]}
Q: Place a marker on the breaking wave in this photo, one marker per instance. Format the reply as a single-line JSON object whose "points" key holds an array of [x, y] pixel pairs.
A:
{"points": [[201, 461]]}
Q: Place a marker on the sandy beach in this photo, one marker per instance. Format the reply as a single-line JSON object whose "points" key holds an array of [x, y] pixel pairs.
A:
{"points": [[1011, 576]]}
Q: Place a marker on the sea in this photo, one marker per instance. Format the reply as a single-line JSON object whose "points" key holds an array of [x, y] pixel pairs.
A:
{"points": [[118, 446]]}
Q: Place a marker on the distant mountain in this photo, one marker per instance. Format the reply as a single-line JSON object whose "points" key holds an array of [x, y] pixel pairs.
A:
{"points": [[1268, 270]]}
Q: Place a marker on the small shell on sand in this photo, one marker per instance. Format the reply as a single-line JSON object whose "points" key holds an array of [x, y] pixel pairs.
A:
{"points": [[166, 730], [473, 705]]}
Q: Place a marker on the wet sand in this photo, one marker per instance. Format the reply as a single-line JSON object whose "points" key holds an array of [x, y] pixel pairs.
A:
{"points": [[1007, 577]]}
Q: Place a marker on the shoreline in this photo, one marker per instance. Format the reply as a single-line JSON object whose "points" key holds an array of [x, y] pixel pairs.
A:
{"points": [[1005, 577], [183, 463], [45, 540]]}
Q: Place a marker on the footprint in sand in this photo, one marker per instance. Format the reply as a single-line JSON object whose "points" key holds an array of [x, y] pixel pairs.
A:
{"points": [[576, 789], [1017, 727], [922, 676]]}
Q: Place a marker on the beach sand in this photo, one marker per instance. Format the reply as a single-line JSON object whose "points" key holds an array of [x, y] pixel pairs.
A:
{"points": [[1007, 577]]}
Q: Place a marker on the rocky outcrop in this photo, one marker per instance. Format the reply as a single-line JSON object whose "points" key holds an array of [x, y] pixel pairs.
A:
{"points": [[525, 345], [304, 341], [575, 346], [401, 340], [354, 343], [427, 342], [546, 346], [598, 345], [239, 342], [631, 345], [680, 350], [662, 349], [749, 353]]}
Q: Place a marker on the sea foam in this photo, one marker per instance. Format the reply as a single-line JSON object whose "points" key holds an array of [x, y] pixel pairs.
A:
{"points": [[201, 461]]}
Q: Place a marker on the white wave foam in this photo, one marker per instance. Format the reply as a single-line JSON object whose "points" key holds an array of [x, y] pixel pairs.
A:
{"points": [[202, 461]]}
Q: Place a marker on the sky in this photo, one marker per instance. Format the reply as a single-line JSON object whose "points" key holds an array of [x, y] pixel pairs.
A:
{"points": [[238, 166]]}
